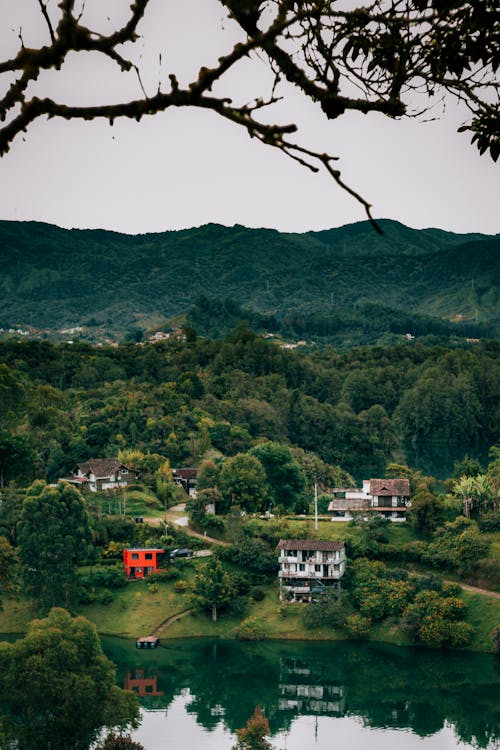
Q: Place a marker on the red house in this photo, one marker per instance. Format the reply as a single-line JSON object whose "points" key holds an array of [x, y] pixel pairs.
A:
{"points": [[141, 561]]}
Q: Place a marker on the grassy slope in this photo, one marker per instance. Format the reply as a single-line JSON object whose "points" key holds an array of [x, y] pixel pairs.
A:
{"points": [[136, 611]]}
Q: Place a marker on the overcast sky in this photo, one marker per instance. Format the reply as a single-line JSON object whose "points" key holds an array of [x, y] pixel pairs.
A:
{"points": [[185, 167]]}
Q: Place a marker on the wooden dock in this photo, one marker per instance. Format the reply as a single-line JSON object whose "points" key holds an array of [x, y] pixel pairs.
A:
{"points": [[147, 641]]}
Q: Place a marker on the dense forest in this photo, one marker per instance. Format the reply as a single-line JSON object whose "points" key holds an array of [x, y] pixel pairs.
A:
{"points": [[190, 397], [346, 286]]}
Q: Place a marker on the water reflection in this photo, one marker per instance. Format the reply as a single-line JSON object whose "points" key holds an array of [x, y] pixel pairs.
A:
{"points": [[379, 686]]}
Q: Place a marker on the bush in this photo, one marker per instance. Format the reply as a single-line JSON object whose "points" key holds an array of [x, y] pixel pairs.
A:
{"points": [[165, 574], [104, 597], [153, 588], [180, 586], [489, 522], [358, 626], [489, 571], [451, 589], [238, 606], [258, 594], [460, 634], [251, 629]]}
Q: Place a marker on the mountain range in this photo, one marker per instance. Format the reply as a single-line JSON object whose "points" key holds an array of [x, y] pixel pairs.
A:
{"points": [[339, 283]]}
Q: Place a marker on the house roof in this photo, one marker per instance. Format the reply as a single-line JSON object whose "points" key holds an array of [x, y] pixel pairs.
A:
{"points": [[102, 467], [390, 487], [187, 473], [354, 503], [310, 544], [144, 549]]}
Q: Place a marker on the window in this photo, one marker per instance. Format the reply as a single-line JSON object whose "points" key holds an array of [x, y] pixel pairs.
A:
{"points": [[148, 556], [302, 566], [123, 471], [134, 556], [317, 568]]}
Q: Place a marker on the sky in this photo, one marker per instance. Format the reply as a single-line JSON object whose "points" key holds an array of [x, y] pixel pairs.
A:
{"points": [[185, 167]]}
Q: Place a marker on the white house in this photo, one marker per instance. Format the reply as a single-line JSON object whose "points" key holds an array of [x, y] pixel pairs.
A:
{"points": [[100, 474], [308, 566], [387, 497]]}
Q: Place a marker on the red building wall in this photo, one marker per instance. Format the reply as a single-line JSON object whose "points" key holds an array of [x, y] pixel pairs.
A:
{"points": [[140, 562]]}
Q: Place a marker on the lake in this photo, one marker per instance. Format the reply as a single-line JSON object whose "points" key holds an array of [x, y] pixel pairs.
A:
{"points": [[326, 696]]}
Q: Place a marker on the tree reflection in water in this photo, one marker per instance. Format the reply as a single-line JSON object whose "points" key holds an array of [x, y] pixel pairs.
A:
{"points": [[383, 686]]}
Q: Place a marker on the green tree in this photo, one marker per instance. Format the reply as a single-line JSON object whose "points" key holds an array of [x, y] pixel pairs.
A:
{"points": [[426, 512], [54, 537], [283, 476], [253, 735], [58, 689], [457, 545], [17, 458], [243, 482], [208, 475], [8, 563], [212, 587]]}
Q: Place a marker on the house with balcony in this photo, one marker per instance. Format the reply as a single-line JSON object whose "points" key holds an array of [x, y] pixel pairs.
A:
{"points": [[308, 567], [387, 497], [140, 562]]}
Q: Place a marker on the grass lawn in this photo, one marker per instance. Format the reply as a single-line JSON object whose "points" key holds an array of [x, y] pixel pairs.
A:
{"points": [[330, 530], [137, 611], [483, 613]]}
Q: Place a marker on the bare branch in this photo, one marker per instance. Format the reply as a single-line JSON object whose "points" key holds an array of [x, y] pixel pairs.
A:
{"points": [[43, 8]]}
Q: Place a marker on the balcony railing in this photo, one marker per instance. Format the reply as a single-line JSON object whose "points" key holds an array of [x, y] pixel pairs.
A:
{"points": [[314, 574]]}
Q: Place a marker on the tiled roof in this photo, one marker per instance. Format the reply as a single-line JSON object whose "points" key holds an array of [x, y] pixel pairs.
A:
{"points": [[390, 487], [310, 544], [101, 467]]}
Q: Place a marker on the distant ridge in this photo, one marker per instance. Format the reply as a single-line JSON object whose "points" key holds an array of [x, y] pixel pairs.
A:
{"points": [[52, 277]]}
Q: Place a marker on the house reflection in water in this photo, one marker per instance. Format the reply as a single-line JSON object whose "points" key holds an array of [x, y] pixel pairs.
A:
{"points": [[301, 693], [142, 686]]}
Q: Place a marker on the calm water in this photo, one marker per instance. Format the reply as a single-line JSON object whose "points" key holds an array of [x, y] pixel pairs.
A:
{"points": [[325, 696]]}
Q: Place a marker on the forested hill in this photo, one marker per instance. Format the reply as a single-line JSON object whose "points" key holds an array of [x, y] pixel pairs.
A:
{"points": [[334, 283]]}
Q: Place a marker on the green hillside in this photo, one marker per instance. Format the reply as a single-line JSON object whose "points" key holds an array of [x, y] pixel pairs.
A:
{"points": [[54, 278]]}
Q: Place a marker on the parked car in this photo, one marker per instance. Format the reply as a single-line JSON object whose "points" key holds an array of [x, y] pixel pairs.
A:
{"points": [[180, 553]]}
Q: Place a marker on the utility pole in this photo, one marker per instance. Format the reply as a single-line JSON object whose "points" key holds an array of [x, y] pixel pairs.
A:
{"points": [[316, 505]]}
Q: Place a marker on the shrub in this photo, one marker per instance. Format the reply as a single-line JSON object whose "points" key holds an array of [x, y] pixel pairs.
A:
{"points": [[490, 522], [114, 550], [460, 634], [180, 586], [104, 597], [451, 589], [258, 594], [251, 629], [237, 606], [489, 571], [358, 626], [153, 588], [164, 574], [240, 583]]}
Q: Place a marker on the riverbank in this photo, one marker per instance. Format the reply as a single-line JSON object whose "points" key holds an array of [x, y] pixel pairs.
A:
{"points": [[139, 610]]}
